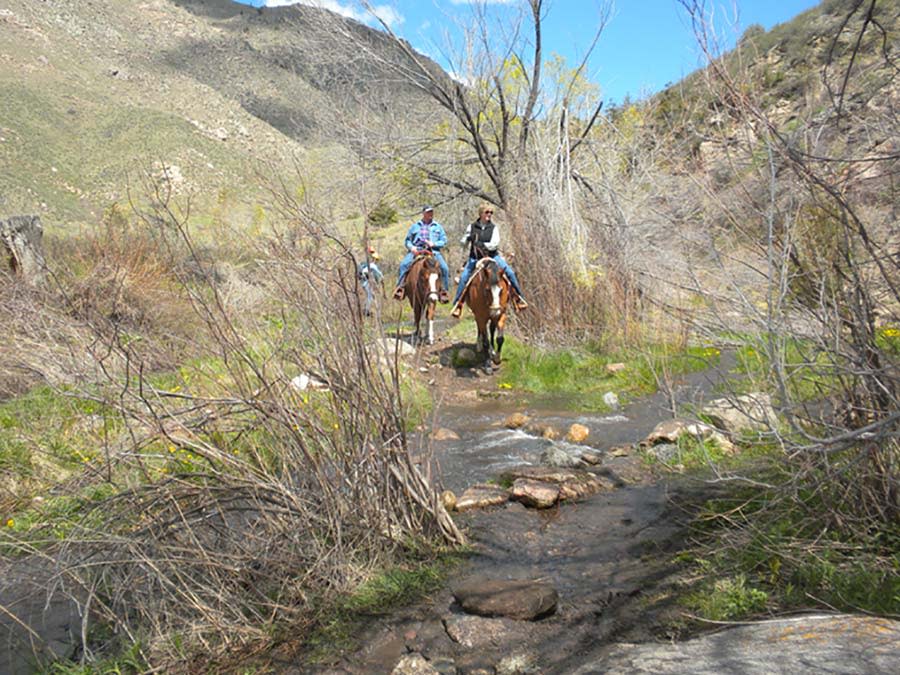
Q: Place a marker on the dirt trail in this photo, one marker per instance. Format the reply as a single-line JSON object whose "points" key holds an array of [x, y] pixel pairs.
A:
{"points": [[608, 555]]}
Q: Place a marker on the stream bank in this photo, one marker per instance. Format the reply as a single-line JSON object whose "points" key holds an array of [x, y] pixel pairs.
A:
{"points": [[608, 556]]}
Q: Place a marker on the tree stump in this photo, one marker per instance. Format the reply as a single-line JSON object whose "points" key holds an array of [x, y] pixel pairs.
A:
{"points": [[22, 246]]}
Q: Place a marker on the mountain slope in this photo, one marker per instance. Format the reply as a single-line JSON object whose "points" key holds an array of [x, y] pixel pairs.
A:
{"points": [[93, 94]]}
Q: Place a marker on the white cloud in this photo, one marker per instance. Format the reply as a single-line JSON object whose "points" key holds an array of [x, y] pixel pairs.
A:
{"points": [[388, 14], [484, 2], [384, 12]]}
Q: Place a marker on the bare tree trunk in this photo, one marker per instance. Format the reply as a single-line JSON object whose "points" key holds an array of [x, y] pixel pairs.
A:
{"points": [[22, 239]]}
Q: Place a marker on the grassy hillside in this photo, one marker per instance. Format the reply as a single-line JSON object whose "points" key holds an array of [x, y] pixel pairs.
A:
{"points": [[93, 96]]}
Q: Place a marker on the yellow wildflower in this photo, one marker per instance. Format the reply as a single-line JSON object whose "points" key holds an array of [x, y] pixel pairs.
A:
{"points": [[10, 522]]}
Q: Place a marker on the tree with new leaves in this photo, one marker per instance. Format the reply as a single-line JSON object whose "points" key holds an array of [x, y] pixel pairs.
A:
{"points": [[496, 103]]}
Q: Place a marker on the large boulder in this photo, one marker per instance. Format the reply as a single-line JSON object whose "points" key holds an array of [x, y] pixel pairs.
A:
{"points": [[670, 431], [807, 644], [751, 412], [518, 599]]}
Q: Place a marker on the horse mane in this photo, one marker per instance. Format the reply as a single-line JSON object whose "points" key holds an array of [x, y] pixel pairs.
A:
{"points": [[492, 267]]}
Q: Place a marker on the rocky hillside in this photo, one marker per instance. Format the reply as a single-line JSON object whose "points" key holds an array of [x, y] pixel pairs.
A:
{"points": [[818, 64], [95, 94]]}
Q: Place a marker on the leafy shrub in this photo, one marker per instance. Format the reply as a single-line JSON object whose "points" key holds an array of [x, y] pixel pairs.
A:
{"points": [[730, 598], [382, 215]]}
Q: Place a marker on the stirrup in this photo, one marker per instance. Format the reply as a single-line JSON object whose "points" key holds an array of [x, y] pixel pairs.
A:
{"points": [[457, 310], [399, 292], [520, 304], [444, 297]]}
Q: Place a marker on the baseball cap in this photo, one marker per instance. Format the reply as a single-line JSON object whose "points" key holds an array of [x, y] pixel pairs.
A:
{"points": [[427, 207]]}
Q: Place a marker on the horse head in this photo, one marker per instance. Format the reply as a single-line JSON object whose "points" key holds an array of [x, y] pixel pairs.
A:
{"points": [[423, 290], [487, 298], [497, 300], [431, 274]]}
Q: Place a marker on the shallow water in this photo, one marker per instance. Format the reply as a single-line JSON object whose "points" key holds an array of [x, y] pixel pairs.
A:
{"points": [[486, 448]]}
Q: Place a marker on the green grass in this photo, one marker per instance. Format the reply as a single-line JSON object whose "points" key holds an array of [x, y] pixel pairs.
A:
{"points": [[582, 374], [128, 662], [757, 552], [47, 433], [727, 599], [79, 152], [379, 595]]}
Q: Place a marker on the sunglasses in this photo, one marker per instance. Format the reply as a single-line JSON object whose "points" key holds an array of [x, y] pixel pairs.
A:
{"points": [[489, 213]]}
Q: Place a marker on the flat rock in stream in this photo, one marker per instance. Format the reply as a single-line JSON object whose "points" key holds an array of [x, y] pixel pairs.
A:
{"points": [[523, 600], [808, 644], [571, 483], [548, 474], [481, 633], [534, 493], [481, 496]]}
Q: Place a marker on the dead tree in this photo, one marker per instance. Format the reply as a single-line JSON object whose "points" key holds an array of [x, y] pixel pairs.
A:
{"points": [[22, 239]]}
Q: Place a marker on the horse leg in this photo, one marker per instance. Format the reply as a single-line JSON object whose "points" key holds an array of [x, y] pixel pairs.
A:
{"points": [[499, 340], [486, 347], [417, 319], [429, 316]]}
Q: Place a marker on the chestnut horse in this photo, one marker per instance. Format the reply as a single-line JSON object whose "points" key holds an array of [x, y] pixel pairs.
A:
{"points": [[487, 295], [422, 287]]}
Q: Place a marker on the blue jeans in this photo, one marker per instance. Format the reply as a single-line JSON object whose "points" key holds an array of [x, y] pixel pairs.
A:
{"points": [[407, 262], [370, 296], [501, 263]]}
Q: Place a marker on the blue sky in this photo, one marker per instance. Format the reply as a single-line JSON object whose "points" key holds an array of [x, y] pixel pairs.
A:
{"points": [[645, 45]]}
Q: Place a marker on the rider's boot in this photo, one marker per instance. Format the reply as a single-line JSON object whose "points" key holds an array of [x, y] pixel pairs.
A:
{"points": [[520, 303], [399, 292], [444, 297], [457, 309]]}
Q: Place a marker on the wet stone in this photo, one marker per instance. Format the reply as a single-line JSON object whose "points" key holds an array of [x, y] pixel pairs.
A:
{"points": [[543, 430], [517, 664], [442, 434], [558, 457], [593, 458], [414, 664], [444, 665], [577, 433], [533, 493], [448, 500], [480, 632], [523, 600], [546, 474], [481, 496], [516, 421]]}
